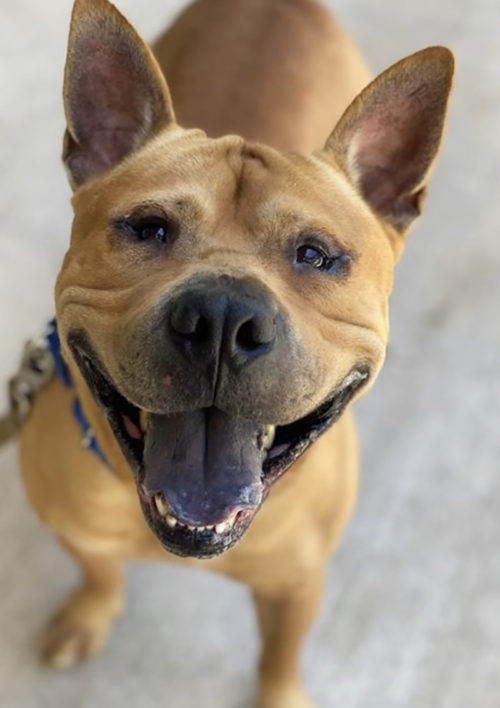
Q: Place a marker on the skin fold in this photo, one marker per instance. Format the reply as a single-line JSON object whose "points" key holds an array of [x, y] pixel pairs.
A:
{"points": [[249, 148]]}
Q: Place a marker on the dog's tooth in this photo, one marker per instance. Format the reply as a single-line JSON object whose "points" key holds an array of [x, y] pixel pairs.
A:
{"points": [[191, 528], [143, 419], [268, 436], [160, 505], [171, 521], [227, 523]]}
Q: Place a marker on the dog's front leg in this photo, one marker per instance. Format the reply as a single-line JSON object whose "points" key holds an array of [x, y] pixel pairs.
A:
{"points": [[284, 621], [81, 627]]}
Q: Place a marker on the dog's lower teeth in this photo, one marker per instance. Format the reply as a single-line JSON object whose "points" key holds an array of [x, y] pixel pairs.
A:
{"points": [[172, 522], [160, 505], [226, 525]]}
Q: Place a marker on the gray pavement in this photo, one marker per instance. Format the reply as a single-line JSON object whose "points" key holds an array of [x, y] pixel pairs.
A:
{"points": [[412, 613]]}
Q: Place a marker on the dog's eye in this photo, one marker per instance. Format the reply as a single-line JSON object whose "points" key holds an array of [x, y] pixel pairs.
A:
{"points": [[151, 228], [316, 258], [157, 230], [311, 256]]}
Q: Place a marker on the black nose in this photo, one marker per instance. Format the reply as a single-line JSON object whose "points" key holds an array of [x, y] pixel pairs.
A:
{"points": [[229, 318]]}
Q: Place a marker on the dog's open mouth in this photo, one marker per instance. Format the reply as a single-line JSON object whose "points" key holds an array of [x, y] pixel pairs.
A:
{"points": [[202, 475]]}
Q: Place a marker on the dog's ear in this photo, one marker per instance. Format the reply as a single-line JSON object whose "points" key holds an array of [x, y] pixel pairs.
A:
{"points": [[115, 96], [388, 138]]}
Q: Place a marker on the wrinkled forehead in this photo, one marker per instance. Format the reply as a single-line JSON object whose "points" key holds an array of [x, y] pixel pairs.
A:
{"points": [[227, 180]]}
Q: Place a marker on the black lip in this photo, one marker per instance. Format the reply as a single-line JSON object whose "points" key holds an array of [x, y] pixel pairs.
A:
{"points": [[205, 544], [308, 429], [109, 399], [185, 543]]}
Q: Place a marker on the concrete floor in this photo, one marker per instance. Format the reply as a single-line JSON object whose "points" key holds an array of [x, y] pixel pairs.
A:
{"points": [[412, 613]]}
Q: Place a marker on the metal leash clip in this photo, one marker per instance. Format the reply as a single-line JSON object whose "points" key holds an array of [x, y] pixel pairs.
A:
{"points": [[36, 369]]}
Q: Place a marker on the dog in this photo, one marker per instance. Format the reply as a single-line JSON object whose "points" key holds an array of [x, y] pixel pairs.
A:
{"points": [[223, 301]]}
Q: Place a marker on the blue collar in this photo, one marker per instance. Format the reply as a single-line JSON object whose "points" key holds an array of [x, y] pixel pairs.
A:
{"points": [[89, 440]]}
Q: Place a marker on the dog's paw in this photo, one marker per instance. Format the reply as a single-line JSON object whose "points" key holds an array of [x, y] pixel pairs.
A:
{"points": [[290, 697], [67, 645], [78, 631]]}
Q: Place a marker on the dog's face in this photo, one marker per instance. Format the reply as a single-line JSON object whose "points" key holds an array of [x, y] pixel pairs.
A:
{"points": [[223, 301]]}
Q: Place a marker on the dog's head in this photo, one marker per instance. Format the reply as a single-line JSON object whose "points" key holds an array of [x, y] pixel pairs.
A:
{"points": [[224, 301]]}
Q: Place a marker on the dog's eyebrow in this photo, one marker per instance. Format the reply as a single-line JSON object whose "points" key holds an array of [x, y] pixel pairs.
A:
{"points": [[282, 218], [180, 206]]}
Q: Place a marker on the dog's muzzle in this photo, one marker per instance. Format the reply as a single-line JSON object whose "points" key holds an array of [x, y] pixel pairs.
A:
{"points": [[205, 416]]}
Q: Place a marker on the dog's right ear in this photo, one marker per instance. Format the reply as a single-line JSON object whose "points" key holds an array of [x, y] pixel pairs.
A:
{"points": [[115, 96]]}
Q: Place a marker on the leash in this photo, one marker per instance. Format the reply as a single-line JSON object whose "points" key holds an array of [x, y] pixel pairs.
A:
{"points": [[40, 362], [35, 371]]}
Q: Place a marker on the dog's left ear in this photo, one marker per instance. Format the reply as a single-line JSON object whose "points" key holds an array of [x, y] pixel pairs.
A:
{"points": [[115, 96], [387, 140]]}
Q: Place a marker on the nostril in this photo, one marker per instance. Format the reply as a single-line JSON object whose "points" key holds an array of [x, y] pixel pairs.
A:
{"points": [[245, 337], [190, 324], [253, 335], [200, 333]]}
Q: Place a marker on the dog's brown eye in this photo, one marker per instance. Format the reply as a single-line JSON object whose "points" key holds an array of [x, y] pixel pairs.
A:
{"points": [[152, 230], [315, 257], [149, 228], [311, 256]]}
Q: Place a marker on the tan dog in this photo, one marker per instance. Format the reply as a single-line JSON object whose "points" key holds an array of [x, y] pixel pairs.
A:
{"points": [[222, 302]]}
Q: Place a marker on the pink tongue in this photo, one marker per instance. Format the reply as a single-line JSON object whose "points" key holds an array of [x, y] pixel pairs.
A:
{"points": [[131, 428], [278, 450]]}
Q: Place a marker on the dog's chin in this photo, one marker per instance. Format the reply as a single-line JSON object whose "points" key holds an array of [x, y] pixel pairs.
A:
{"points": [[274, 450]]}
